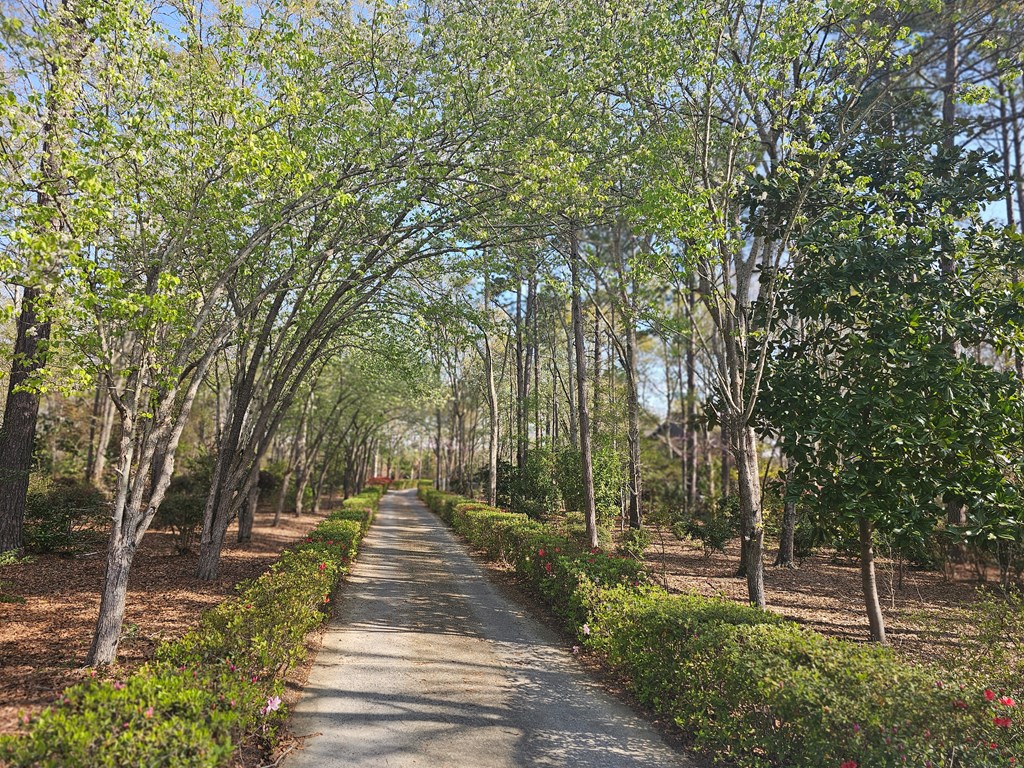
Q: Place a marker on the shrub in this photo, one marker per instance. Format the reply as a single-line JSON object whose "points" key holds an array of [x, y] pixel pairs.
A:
{"points": [[764, 691], [635, 542], [532, 487], [183, 515], [214, 686], [58, 512], [182, 508], [609, 479]]}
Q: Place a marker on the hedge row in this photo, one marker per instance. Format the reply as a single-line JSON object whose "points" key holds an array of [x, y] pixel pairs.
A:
{"points": [[218, 684], [751, 688]]}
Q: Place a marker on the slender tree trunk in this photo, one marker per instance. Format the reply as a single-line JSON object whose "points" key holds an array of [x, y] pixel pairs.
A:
{"points": [[750, 510], [94, 418], [437, 454], [247, 512], [282, 497], [520, 396], [586, 455], [633, 481], [596, 393], [786, 557], [955, 511], [867, 578], [691, 402], [574, 430], [492, 406], [99, 464]]}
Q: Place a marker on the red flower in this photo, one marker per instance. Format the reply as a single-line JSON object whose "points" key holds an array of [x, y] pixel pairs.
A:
{"points": [[848, 764], [1006, 701], [990, 695], [1002, 722], [960, 704], [541, 551]]}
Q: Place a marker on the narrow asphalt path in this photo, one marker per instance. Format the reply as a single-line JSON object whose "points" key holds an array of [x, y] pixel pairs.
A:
{"points": [[429, 665]]}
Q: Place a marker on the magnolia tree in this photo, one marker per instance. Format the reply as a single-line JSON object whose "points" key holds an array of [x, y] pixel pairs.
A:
{"points": [[882, 419]]}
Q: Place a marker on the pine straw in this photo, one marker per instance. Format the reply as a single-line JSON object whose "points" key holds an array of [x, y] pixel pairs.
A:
{"points": [[824, 593], [44, 641]]}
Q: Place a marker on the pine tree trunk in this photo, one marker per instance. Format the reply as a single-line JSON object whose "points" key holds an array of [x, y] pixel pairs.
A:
{"points": [[32, 332], [876, 621]]}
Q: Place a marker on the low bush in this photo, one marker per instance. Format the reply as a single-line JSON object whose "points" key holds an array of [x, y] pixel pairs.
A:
{"points": [[751, 688], [59, 511], [182, 508], [762, 691], [219, 683]]}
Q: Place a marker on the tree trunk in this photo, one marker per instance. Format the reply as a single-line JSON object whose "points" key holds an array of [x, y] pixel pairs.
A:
{"points": [[99, 464], [586, 456], [750, 510], [282, 497], [32, 332], [437, 453], [18, 432], [492, 407], [786, 557], [247, 513], [955, 512], [112, 604], [633, 480], [868, 583], [690, 469]]}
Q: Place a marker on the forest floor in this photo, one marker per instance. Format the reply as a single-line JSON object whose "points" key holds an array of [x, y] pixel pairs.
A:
{"points": [[49, 603], [924, 610]]}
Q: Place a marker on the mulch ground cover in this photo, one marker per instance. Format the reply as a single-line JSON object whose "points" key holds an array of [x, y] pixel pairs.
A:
{"points": [[49, 604]]}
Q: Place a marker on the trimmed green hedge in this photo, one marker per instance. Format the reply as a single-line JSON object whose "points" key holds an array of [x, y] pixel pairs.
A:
{"points": [[218, 684], [751, 688]]}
